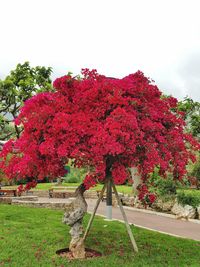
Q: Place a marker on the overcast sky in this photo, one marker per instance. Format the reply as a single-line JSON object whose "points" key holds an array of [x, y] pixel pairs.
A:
{"points": [[116, 37]]}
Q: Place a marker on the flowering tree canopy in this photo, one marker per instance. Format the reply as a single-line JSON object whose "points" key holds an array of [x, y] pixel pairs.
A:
{"points": [[105, 123]]}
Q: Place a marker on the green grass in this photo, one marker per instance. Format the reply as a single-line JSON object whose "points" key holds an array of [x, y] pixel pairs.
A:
{"points": [[29, 238], [45, 186]]}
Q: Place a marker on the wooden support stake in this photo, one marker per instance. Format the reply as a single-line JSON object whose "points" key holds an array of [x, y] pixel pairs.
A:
{"points": [[109, 199], [125, 219], [94, 212]]}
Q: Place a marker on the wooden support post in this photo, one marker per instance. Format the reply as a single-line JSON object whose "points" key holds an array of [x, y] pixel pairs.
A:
{"points": [[125, 219], [109, 199], [94, 212]]}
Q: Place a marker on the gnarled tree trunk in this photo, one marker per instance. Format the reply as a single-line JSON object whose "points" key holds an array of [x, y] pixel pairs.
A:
{"points": [[136, 177], [74, 219]]}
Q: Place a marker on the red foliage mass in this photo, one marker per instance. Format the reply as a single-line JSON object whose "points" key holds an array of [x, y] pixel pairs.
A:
{"points": [[105, 123]]}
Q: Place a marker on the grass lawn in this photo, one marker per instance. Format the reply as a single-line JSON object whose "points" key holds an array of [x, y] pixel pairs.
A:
{"points": [[29, 238]]}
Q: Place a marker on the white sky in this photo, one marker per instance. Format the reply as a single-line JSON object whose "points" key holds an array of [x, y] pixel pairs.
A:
{"points": [[116, 37]]}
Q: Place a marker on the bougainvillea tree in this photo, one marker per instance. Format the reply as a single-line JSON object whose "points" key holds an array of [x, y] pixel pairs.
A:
{"points": [[105, 123]]}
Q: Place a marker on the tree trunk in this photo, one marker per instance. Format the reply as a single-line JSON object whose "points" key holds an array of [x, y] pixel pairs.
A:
{"points": [[74, 219], [136, 181]]}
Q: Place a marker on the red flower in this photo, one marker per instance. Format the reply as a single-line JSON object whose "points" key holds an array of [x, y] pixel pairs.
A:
{"points": [[145, 196], [89, 181], [152, 198]]}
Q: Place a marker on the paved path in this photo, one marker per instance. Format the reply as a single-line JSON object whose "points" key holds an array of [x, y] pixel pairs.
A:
{"points": [[186, 229]]}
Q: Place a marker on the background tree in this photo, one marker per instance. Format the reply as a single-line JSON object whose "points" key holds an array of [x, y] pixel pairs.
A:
{"points": [[102, 123], [192, 119], [22, 83], [7, 129], [192, 115]]}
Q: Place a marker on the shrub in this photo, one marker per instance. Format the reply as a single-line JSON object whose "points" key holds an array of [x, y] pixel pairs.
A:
{"points": [[196, 172], [75, 175], [4, 180], [163, 187], [23, 181], [167, 187], [188, 197], [72, 179]]}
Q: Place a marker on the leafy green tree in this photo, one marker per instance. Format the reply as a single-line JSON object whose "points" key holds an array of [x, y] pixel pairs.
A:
{"points": [[7, 129], [192, 119], [195, 172], [21, 84], [192, 115]]}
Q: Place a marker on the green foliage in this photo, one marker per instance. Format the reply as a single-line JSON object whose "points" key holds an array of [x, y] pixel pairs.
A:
{"points": [[196, 169], [163, 187], [7, 129], [17, 87], [3, 180], [75, 175], [192, 115], [167, 187], [196, 172], [192, 119], [188, 197]]}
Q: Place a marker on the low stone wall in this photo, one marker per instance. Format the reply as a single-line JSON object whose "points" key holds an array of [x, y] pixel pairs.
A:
{"points": [[39, 193], [71, 193], [26, 198], [90, 194], [10, 200], [5, 200], [62, 194], [50, 205], [43, 204]]}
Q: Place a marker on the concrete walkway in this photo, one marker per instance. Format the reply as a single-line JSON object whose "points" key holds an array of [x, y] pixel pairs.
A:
{"points": [[168, 225]]}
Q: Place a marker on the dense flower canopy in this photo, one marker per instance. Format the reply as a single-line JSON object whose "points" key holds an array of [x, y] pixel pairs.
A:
{"points": [[105, 123]]}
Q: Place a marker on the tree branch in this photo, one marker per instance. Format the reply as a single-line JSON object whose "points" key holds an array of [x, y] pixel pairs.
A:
{"points": [[6, 137]]}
